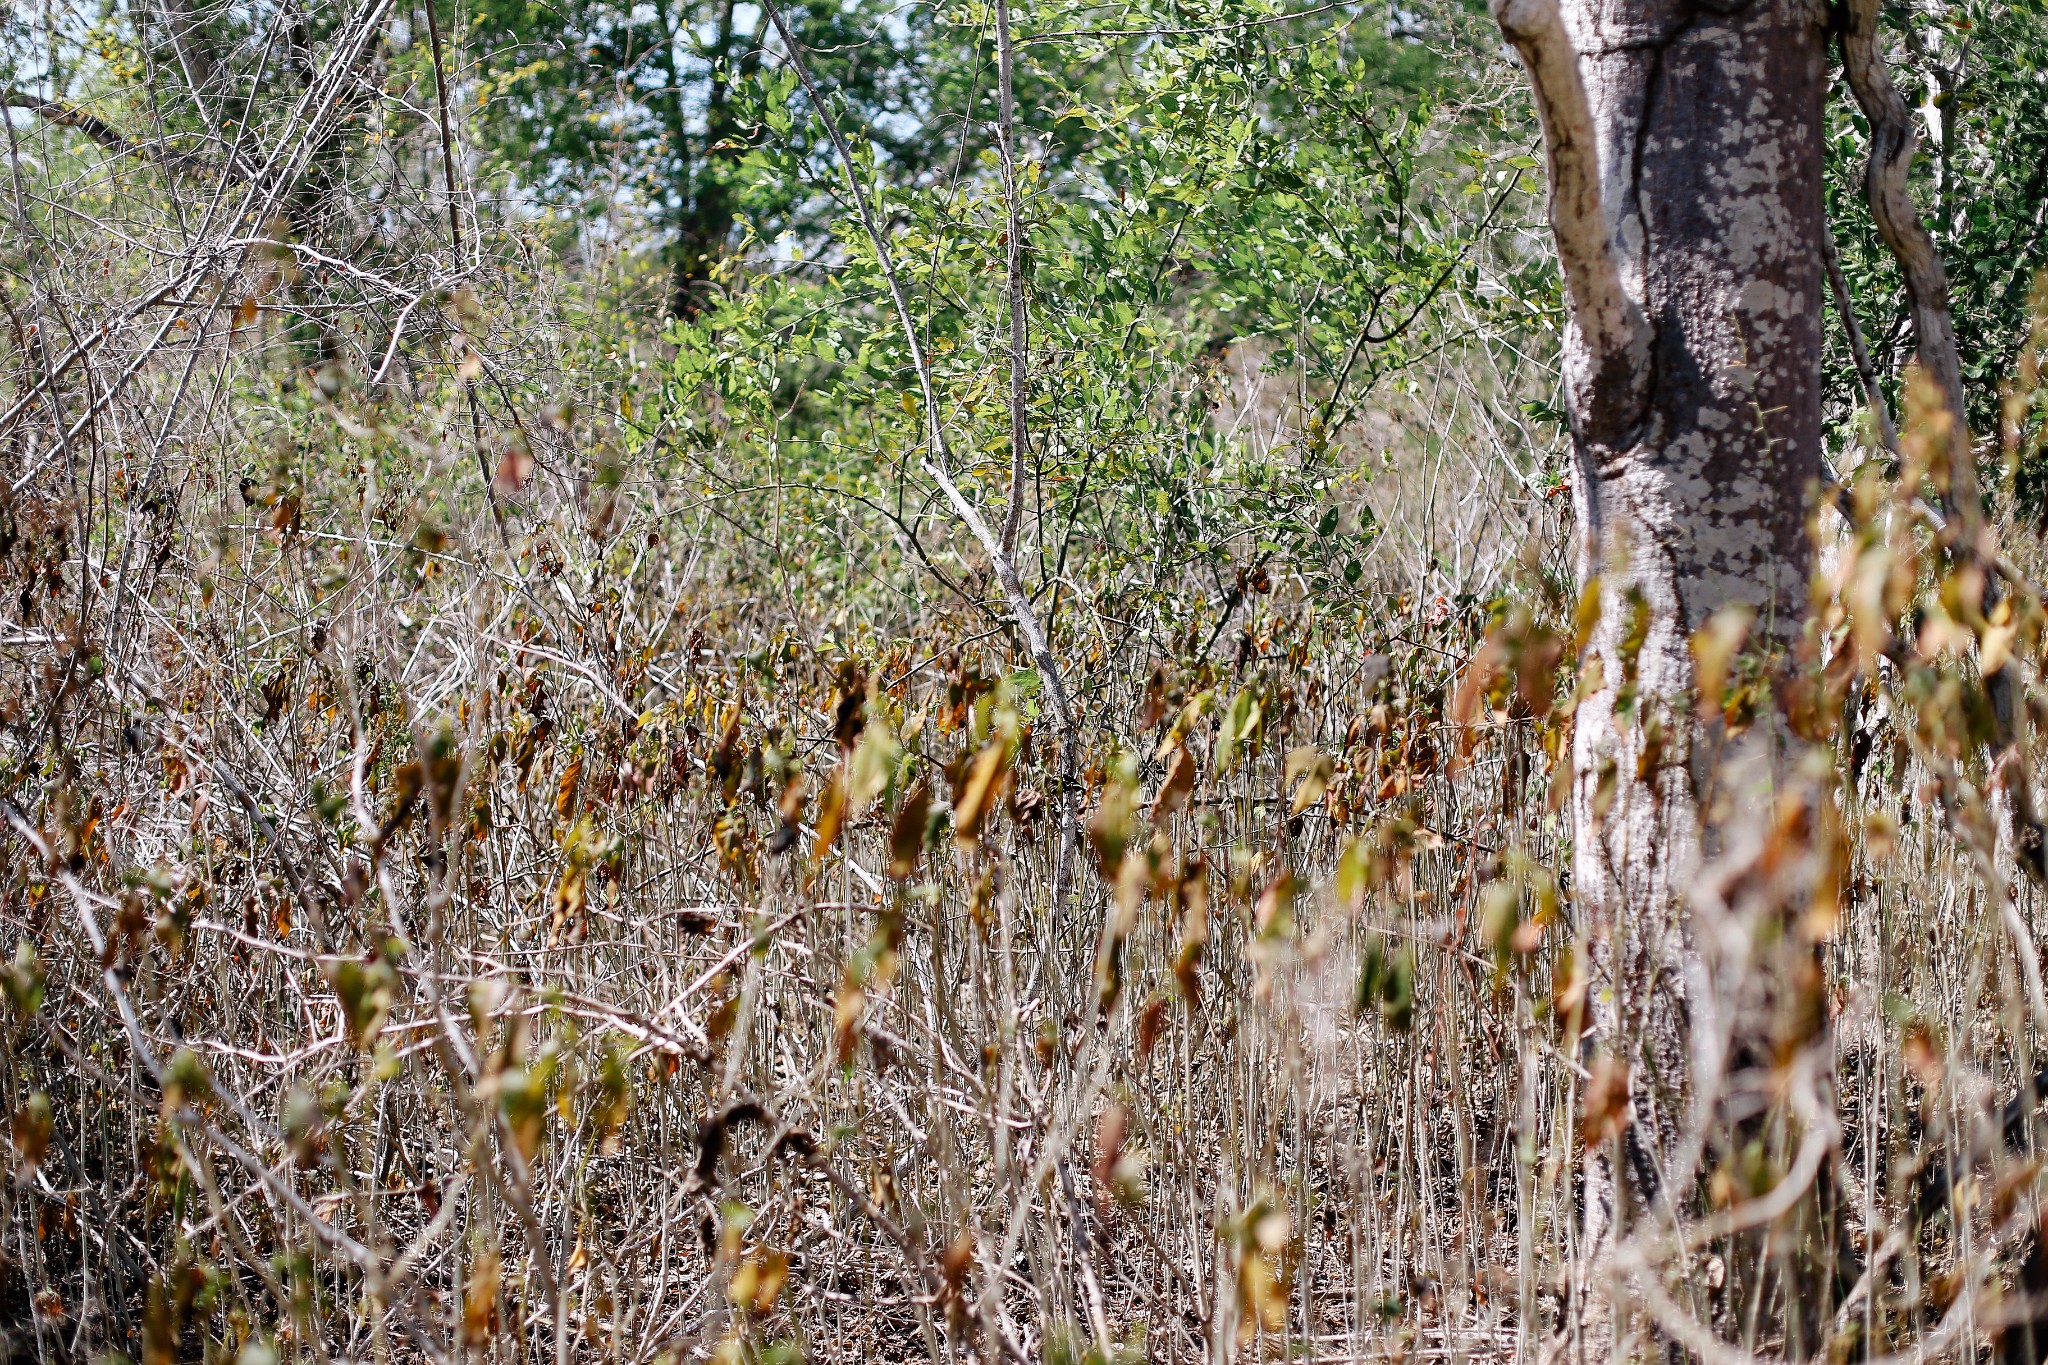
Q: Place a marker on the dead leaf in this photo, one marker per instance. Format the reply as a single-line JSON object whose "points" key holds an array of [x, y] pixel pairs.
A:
{"points": [[515, 467], [976, 796], [1609, 1108], [1313, 769], [906, 834], [831, 812], [1179, 784]]}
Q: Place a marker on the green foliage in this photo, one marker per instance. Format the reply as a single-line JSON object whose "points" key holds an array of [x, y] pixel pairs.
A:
{"points": [[22, 979], [1293, 207], [1978, 69], [628, 117]]}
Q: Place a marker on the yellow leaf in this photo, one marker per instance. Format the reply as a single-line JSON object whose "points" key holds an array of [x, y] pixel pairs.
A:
{"points": [[1714, 647], [1997, 648], [831, 811], [771, 1275], [480, 1300], [849, 1007], [977, 794], [1314, 770], [873, 763]]}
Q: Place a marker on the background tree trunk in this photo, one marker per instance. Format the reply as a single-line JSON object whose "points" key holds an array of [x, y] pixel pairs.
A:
{"points": [[1685, 150]]}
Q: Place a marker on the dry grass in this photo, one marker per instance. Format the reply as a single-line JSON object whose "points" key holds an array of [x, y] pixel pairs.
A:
{"points": [[432, 936]]}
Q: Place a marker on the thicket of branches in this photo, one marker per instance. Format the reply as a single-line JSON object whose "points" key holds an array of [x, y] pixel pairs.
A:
{"points": [[690, 681]]}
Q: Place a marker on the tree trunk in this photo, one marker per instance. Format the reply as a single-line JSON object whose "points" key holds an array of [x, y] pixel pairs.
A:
{"points": [[1685, 149]]}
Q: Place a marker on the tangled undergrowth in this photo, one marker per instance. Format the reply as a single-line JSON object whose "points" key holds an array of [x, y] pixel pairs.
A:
{"points": [[536, 834], [534, 956]]}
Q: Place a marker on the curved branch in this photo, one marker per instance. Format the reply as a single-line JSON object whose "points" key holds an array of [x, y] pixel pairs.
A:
{"points": [[1859, 350], [1894, 139], [1609, 394]]}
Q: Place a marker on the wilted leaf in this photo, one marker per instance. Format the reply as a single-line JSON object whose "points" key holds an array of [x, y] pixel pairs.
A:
{"points": [[1238, 728], [367, 990], [790, 808], [515, 466], [831, 812], [1151, 1023], [480, 1300], [1115, 1171], [305, 1126], [1313, 770], [1192, 896], [907, 833], [1714, 647], [31, 1128], [1996, 648], [614, 1100], [1354, 873], [1154, 709], [22, 980], [1468, 701], [1922, 1053], [1500, 914], [874, 762], [1263, 1290], [1111, 828], [160, 1324], [1608, 1106], [1175, 789], [1184, 724], [849, 1008], [758, 1282], [976, 795], [408, 778], [523, 1099], [185, 1081], [1274, 914], [851, 715], [1386, 978], [565, 790]]}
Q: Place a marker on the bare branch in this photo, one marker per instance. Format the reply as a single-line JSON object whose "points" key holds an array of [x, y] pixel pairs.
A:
{"points": [[1894, 139], [1611, 391]]}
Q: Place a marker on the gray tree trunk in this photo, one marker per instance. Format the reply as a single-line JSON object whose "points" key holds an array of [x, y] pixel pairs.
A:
{"points": [[1685, 148]]}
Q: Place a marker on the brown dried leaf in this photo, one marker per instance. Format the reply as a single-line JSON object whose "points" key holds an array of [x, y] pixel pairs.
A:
{"points": [[1609, 1108], [906, 833], [977, 792], [831, 812], [1176, 788]]}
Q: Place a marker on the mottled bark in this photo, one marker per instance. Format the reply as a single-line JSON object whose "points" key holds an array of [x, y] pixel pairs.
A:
{"points": [[1685, 146]]}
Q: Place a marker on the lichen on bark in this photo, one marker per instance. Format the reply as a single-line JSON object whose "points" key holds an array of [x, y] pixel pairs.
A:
{"points": [[1685, 149]]}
